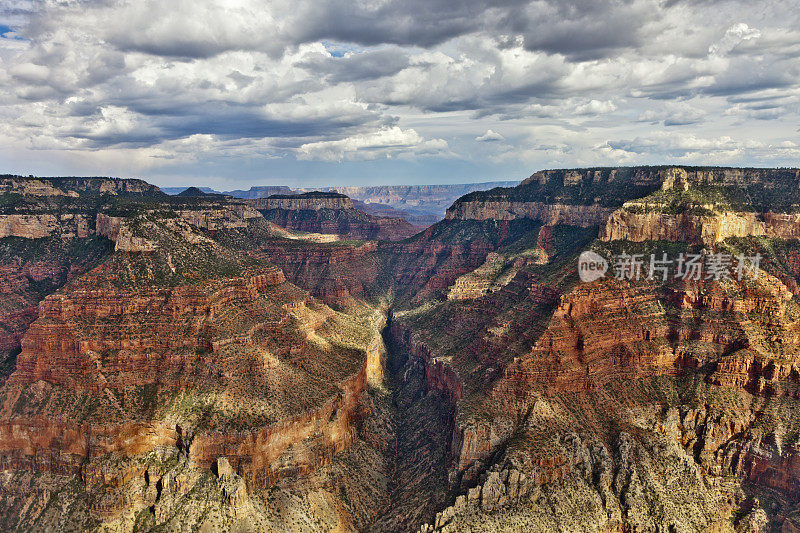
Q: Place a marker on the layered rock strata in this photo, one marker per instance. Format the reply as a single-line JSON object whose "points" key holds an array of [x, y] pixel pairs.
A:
{"points": [[330, 213], [73, 187], [627, 224], [548, 214]]}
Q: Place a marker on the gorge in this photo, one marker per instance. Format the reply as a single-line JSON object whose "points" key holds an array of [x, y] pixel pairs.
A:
{"points": [[282, 363]]}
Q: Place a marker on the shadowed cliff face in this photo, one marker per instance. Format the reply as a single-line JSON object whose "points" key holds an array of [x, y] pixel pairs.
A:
{"points": [[209, 367]]}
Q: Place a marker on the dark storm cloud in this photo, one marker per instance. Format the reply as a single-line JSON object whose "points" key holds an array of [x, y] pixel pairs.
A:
{"points": [[583, 29], [753, 76], [226, 121], [230, 123], [423, 23], [580, 29]]}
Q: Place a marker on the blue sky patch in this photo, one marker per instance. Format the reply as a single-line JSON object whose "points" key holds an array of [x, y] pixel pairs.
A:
{"points": [[338, 49], [7, 32]]}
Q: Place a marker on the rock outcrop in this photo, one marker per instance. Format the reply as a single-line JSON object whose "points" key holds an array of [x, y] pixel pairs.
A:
{"points": [[629, 224], [312, 201], [586, 197], [76, 186], [700, 207], [37, 226], [549, 214], [322, 212]]}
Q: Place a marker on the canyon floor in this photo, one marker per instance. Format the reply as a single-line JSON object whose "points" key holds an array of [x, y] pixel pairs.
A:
{"points": [[290, 363]]}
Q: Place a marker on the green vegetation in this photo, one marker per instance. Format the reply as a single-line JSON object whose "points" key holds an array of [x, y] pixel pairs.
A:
{"points": [[603, 190], [175, 260], [700, 200], [87, 250]]}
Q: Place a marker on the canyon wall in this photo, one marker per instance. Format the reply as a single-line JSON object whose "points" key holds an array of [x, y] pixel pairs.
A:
{"points": [[37, 226], [630, 225], [97, 343], [83, 224], [333, 272], [330, 213], [658, 175], [586, 197], [303, 202], [75, 186], [548, 214], [185, 368], [63, 345]]}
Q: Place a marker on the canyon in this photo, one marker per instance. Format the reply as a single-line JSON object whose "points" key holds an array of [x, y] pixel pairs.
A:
{"points": [[290, 363], [421, 205]]}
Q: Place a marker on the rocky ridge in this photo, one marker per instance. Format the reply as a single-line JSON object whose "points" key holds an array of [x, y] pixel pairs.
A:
{"points": [[325, 212], [76, 186]]}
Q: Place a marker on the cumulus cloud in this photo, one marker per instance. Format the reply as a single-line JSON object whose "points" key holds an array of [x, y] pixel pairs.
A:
{"points": [[139, 85], [596, 107], [674, 114], [735, 35], [490, 136], [694, 149], [385, 143]]}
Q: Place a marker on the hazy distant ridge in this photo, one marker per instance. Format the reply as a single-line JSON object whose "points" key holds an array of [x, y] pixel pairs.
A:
{"points": [[421, 205]]}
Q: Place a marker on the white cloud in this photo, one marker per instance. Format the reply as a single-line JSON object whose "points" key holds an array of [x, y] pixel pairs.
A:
{"points": [[385, 143], [736, 34], [490, 136], [596, 107], [673, 114], [135, 85]]}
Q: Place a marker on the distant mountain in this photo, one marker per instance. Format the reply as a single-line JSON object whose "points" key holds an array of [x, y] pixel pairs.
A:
{"points": [[332, 213], [422, 205], [260, 192], [194, 191], [173, 191]]}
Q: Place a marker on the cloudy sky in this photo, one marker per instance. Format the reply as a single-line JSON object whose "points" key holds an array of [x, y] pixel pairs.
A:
{"points": [[245, 92]]}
